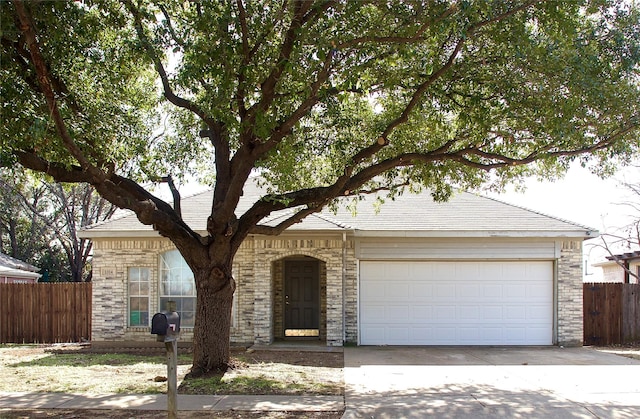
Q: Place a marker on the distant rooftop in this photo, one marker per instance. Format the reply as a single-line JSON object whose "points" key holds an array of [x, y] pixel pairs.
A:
{"points": [[7, 261]]}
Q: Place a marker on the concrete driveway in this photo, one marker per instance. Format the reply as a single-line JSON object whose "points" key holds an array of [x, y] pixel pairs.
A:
{"points": [[482, 382]]}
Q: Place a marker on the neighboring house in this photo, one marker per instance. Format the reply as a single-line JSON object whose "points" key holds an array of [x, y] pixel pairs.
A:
{"points": [[14, 271], [612, 271], [471, 271]]}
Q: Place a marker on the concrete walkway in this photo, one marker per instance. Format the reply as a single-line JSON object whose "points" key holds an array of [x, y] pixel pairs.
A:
{"points": [[549, 382], [159, 402], [418, 382]]}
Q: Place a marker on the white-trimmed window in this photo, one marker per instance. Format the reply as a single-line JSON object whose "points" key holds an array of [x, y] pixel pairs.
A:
{"points": [[177, 284], [139, 296]]}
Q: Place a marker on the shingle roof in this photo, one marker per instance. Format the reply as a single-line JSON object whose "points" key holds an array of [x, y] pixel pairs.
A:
{"points": [[8, 262], [465, 214], [625, 256]]}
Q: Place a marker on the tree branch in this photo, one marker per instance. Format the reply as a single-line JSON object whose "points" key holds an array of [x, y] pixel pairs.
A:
{"points": [[417, 36], [299, 19], [44, 80], [169, 94], [172, 31], [121, 192]]}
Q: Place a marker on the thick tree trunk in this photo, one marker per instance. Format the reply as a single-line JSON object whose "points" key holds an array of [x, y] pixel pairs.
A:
{"points": [[211, 346]]}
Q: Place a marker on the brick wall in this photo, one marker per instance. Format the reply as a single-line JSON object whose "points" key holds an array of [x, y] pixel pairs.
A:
{"points": [[569, 294], [111, 260], [268, 257], [257, 312], [258, 271]]}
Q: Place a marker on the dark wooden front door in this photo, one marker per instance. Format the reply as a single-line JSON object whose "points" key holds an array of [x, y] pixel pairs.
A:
{"points": [[301, 297]]}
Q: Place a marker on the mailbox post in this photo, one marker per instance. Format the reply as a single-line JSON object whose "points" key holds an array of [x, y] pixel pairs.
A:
{"points": [[166, 325]]}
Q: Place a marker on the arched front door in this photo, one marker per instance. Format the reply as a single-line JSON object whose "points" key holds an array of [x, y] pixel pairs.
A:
{"points": [[302, 298]]}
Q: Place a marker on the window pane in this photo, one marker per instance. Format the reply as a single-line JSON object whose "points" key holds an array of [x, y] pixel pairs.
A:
{"points": [[143, 303], [134, 304], [139, 311], [187, 319], [189, 304], [134, 288], [144, 288], [177, 284], [139, 296]]}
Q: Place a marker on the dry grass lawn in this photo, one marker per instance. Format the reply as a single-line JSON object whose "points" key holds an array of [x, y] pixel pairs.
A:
{"points": [[77, 369]]}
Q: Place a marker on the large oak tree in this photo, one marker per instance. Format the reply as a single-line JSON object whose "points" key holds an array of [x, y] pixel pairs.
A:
{"points": [[323, 98]]}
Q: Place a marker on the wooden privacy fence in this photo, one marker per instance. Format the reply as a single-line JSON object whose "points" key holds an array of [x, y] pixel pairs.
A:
{"points": [[611, 313], [45, 313]]}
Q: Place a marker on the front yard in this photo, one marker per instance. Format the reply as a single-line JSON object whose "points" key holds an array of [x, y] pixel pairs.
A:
{"points": [[77, 369]]}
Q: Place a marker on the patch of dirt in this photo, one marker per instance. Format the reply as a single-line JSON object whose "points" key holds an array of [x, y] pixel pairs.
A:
{"points": [[153, 414], [301, 358]]}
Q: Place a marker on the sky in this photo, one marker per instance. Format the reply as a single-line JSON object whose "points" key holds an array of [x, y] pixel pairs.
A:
{"points": [[580, 196]]}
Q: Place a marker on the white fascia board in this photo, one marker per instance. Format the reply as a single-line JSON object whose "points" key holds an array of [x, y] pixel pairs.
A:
{"points": [[584, 234], [106, 234], [604, 263], [133, 234]]}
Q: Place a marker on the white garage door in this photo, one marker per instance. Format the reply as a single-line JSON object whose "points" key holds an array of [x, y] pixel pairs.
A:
{"points": [[456, 303]]}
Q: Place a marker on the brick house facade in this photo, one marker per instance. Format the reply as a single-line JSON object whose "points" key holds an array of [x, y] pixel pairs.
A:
{"points": [[128, 266]]}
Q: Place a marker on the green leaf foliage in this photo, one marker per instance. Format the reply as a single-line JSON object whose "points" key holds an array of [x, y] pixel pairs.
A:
{"points": [[456, 94]]}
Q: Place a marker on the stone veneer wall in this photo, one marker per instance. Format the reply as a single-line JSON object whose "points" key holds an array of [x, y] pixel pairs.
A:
{"points": [[255, 269], [569, 295], [267, 253], [111, 260], [351, 296], [257, 263]]}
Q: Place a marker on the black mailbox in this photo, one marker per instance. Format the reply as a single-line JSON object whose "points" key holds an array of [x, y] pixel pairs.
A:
{"points": [[166, 325]]}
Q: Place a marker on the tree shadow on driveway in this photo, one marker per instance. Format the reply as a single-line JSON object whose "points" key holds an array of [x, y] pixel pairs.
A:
{"points": [[486, 382]]}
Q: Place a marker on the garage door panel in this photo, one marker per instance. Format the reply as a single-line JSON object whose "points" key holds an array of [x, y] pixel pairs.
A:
{"points": [[397, 291], [374, 290], [493, 333], [516, 313], [537, 291], [462, 303], [399, 314], [537, 313], [397, 335], [373, 334], [422, 313], [491, 313], [419, 289], [444, 290], [467, 313], [468, 291], [373, 313], [515, 290], [445, 312]]}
